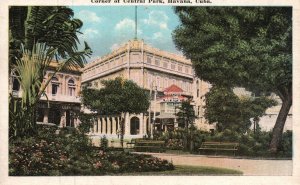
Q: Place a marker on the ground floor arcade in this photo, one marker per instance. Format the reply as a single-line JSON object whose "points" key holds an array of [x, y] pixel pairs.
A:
{"points": [[136, 126], [60, 114]]}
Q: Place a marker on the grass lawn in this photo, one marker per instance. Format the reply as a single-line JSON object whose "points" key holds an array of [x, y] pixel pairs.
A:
{"points": [[190, 170]]}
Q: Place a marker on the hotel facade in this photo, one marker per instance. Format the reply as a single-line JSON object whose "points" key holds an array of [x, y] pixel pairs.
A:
{"points": [[154, 70]]}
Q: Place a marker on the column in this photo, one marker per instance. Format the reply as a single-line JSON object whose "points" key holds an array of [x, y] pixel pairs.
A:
{"points": [[114, 125], [77, 88], [145, 125], [95, 126], [108, 125], [141, 130], [101, 129], [75, 122], [46, 115], [104, 125], [99, 124], [63, 119], [118, 125], [127, 124]]}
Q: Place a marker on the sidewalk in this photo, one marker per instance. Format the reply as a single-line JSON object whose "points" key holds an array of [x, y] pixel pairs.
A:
{"points": [[247, 166]]}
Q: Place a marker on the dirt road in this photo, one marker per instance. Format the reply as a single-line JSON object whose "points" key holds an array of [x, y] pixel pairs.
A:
{"points": [[247, 166]]}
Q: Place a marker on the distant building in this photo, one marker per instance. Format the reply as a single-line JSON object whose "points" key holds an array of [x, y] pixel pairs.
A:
{"points": [[170, 104], [152, 69], [268, 121], [62, 93]]}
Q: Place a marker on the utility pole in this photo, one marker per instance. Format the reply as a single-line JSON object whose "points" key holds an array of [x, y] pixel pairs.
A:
{"points": [[135, 37], [154, 102], [149, 120], [154, 109]]}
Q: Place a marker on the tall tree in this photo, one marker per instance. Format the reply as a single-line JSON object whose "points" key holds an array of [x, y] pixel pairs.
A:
{"points": [[229, 111], [117, 96], [241, 46], [39, 36], [186, 116]]}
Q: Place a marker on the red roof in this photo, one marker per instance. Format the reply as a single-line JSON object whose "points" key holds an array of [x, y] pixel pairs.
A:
{"points": [[171, 98], [173, 89]]}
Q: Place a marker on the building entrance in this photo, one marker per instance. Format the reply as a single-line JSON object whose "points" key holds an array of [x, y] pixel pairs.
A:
{"points": [[134, 126]]}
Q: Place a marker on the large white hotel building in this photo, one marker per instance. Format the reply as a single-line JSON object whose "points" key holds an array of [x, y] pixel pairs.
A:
{"points": [[152, 69]]}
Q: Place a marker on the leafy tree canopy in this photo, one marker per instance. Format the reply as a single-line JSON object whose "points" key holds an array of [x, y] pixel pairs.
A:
{"points": [[53, 26], [186, 114], [236, 46], [249, 47], [117, 96], [229, 111]]}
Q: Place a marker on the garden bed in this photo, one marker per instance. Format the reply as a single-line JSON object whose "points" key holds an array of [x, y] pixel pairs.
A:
{"points": [[63, 154]]}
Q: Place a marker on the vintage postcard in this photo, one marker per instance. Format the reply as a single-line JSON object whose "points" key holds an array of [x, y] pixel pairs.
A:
{"points": [[149, 92]]}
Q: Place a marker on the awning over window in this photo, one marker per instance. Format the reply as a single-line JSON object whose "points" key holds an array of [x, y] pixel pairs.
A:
{"points": [[166, 116]]}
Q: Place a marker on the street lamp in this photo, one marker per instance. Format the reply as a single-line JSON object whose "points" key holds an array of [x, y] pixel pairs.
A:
{"points": [[154, 102]]}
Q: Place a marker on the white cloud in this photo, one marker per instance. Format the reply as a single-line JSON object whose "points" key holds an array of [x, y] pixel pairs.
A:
{"points": [[125, 30], [89, 34], [89, 16], [125, 24], [157, 18]]}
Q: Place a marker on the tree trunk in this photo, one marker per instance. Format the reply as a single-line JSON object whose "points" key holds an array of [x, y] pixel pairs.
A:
{"points": [[122, 125], [280, 122], [192, 142], [186, 147]]}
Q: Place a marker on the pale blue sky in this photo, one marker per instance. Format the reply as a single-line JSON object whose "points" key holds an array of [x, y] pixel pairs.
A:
{"points": [[106, 27]]}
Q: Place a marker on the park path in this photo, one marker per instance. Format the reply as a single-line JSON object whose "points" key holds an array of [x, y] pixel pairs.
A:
{"points": [[247, 166]]}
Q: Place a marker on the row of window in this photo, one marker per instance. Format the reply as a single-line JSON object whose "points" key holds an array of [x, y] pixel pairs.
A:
{"points": [[166, 63], [55, 86], [118, 61], [104, 66], [164, 82]]}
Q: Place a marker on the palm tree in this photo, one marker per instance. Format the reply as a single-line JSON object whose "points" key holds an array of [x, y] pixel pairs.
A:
{"points": [[54, 26], [50, 35]]}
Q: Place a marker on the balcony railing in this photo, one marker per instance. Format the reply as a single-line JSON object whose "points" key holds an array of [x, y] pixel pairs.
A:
{"points": [[52, 97], [62, 98]]}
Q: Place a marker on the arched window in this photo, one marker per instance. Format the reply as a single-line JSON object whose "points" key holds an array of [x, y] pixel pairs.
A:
{"points": [[134, 126], [55, 86], [71, 87], [15, 81]]}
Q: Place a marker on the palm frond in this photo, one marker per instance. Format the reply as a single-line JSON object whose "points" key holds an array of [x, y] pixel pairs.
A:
{"points": [[31, 69]]}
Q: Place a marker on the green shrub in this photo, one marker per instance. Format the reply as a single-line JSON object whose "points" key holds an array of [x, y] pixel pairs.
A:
{"points": [[68, 153], [174, 144], [250, 143], [103, 143], [128, 162], [286, 146], [255, 144], [86, 122]]}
